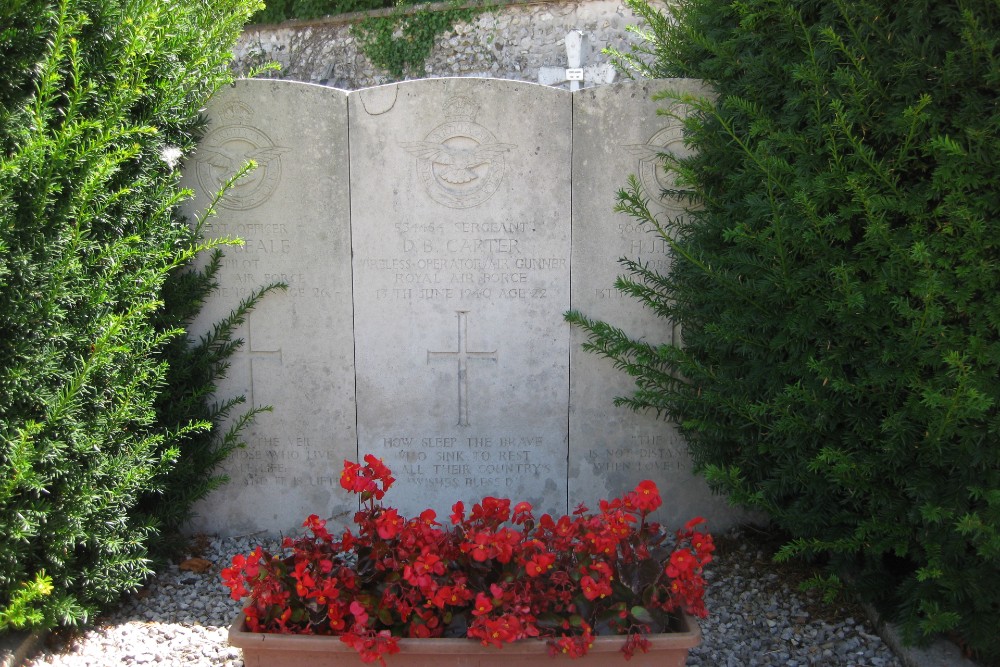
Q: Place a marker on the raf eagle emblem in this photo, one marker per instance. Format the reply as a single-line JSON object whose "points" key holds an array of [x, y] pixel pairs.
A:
{"points": [[457, 163], [228, 162]]}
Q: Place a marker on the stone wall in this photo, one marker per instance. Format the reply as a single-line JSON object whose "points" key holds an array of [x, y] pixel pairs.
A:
{"points": [[512, 41]]}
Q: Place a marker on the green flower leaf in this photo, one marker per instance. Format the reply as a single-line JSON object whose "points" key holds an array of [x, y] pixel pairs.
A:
{"points": [[641, 614]]}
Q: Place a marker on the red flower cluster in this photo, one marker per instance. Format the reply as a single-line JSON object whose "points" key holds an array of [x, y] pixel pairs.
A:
{"points": [[371, 480], [497, 575]]}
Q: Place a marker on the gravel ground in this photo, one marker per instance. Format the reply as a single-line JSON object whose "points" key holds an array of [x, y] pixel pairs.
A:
{"points": [[757, 616]]}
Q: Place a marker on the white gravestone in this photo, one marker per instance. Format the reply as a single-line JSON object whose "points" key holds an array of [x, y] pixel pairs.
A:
{"points": [[293, 215], [613, 448], [461, 213]]}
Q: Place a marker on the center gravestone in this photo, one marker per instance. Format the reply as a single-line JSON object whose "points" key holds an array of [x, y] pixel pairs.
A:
{"points": [[461, 235]]}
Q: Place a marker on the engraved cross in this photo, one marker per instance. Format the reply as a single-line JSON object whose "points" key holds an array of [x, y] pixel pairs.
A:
{"points": [[576, 73], [253, 354], [462, 355]]}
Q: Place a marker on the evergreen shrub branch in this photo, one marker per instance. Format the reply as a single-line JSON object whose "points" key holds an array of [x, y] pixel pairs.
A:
{"points": [[94, 95], [835, 280]]}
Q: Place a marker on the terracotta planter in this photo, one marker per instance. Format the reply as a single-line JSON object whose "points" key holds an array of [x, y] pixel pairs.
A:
{"points": [[273, 650]]}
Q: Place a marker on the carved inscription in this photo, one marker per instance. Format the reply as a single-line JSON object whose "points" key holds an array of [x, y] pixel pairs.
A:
{"points": [[636, 242], [284, 461], [467, 463], [267, 255], [482, 261], [648, 455]]}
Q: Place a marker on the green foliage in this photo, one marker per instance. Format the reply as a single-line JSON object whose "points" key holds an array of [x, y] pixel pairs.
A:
{"points": [[23, 28], [836, 281], [829, 587], [282, 10], [24, 610], [400, 42], [96, 97]]}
